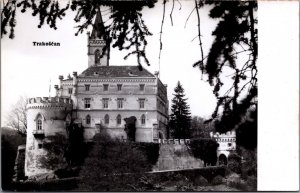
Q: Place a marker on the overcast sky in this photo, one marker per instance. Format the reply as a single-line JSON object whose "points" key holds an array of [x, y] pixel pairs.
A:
{"points": [[27, 69]]}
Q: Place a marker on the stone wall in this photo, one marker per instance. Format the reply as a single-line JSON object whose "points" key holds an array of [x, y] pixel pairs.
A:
{"points": [[176, 156]]}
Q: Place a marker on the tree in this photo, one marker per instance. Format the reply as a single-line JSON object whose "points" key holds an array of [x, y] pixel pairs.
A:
{"points": [[200, 129], [180, 119], [10, 140], [112, 160], [233, 52], [205, 149], [16, 119]]}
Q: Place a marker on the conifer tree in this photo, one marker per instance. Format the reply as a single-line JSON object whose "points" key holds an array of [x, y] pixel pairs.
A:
{"points": [[180, 119]]}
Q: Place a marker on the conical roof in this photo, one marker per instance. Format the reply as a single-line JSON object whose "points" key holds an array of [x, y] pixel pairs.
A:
{"points": [[98, 27]]}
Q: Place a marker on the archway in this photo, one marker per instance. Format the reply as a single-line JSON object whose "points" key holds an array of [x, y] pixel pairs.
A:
{"points": [[160, 135], [130, 127], [222, 160]]}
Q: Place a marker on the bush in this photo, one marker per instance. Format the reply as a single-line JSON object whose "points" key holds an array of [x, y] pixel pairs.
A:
{"points": [[151, 150], [10, 140], [217, 180], [112, 160], [200, 181], [234, 163], [205, 149]]}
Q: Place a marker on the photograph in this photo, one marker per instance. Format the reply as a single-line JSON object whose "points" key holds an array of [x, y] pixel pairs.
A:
{"points": [[135, 95]]}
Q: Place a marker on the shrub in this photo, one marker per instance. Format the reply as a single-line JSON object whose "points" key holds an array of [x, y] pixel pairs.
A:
{"points": [[112, 160], [151, 150], [217, 180], [200, 181], [205, 149], [234, 163], [10, 140]]}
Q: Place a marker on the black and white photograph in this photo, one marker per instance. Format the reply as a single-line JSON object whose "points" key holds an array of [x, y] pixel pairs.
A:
{"points": [[135, 95]]}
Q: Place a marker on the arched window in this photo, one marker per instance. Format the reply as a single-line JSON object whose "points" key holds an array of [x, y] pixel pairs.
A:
{"points": [[39, 124], [143, 119], [88, 119], [106, 119], [119, 119], [97, 56]]}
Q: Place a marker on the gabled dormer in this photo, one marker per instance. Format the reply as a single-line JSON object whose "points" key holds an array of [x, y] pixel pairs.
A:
{"points": [[97, 44]]}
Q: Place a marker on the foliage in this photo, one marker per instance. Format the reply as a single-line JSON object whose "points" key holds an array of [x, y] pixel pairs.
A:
{"points": [[125, 25], [246, 132], [217, 180], [110, 160], [10, 140], [233, 52], [16, 119], [180, 119], [151, 150], [205, 149], [249, 163], [130, 128], [200, 181], [200, 129], [75, 151], [234, 163], [63, 152], [56, 147]]}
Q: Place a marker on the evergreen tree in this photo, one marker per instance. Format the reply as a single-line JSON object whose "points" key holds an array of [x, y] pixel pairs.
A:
{"points": [[180, 120]]}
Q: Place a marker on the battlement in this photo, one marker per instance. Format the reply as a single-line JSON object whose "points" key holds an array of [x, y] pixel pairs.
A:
{"points": [[44, 102], [172, 141], [228, 134]]}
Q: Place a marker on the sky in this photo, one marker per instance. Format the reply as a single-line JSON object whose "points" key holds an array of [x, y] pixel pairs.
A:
{"points": [[27, 70]]}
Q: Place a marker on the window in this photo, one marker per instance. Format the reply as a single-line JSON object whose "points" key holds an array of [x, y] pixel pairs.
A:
{"points": [[88, 119], [119, 87], [70, 90], [119, 119], [106, 119], [120, 103], [87, 103], [105, 87], [142, 103], [39, 124], [143, 119], [105, 103], [142, 87], [87, 87], [40, 146], [229, 144], [97, 56]]}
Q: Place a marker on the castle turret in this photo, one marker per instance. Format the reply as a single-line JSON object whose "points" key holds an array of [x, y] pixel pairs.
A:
{"points": [[98, 44], [46, 117]]}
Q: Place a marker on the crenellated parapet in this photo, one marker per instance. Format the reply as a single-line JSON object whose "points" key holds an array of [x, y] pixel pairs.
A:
{"points": [[172, 141], [228, 134], [49, 102]]}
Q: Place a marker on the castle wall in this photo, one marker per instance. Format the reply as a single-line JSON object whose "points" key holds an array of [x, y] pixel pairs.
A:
{"points": [[226, 141], [53, 115], [176, 156]]}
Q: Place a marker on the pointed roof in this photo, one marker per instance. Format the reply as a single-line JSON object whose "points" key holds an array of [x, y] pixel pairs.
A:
{"points": [[98, 27]]}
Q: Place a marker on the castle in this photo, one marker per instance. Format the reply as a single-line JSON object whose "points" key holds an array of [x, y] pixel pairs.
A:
{"points": [[227, 145], [102, 96]]}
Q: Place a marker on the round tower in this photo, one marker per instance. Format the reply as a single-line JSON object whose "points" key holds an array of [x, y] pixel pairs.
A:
{"points": [[47, 116]]}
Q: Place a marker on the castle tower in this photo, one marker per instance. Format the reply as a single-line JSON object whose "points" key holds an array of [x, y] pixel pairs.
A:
{"points": [[98, 45], [46, 117]]}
